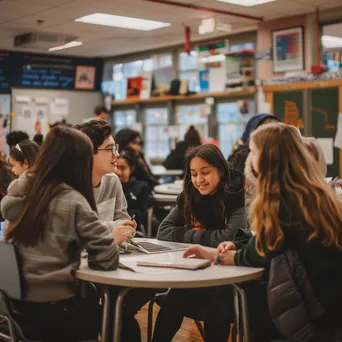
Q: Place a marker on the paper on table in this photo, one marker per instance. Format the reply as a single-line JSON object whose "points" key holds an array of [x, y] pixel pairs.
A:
{"points": [[338, 137], [131, 262], [328, 149]]}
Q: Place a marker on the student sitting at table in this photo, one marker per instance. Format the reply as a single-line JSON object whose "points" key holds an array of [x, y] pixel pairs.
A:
{"points": [[137, 193], [52, 216], [294, 209], [209, 210], [131, 140], [110, 200], [22, 156]]}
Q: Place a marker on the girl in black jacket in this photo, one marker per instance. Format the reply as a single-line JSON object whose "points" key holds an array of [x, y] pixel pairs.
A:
{"points": [[137, 193], [294, 208], [131, 141], [209, 211]]}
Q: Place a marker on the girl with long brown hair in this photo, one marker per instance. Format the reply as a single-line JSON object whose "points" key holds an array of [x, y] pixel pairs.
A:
{"points": [[294, 208], [52, 216]]}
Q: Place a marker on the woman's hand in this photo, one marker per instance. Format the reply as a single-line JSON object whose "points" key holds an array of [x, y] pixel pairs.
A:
{"points": [[201, 252], [228, 257], [125, 229], [226, 246]]}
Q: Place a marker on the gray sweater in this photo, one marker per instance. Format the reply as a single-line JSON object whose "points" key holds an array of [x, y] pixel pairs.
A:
{"points": [[110, 201], [48, 267], [174, 228]]}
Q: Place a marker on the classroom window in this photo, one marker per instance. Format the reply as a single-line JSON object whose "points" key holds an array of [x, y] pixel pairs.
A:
{"points": [[232, 118], [156, 137], [124, 119], [188, 65], [192, 115]]}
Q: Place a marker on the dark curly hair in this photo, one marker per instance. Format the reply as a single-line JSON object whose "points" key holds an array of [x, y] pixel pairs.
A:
{"points": [[97, 130], [16, 137]]}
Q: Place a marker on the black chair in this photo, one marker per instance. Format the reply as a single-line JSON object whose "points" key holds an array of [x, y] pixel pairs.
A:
{"points": [[159, 298], [10, 287]]}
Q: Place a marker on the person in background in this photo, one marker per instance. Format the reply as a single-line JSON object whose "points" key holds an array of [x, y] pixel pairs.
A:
{"points": [[15, 137], [109, 197], [294, 209], [137, 193], [23, 156], [252, 124], [6, 175], [51, 212], [209, 211], [100, 113], [175, 160], [131, 140], [238, 160]]}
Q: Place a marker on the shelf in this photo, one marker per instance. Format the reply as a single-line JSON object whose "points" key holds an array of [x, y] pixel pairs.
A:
{"points": [[230, 93], [302, 85], [241, 53]]}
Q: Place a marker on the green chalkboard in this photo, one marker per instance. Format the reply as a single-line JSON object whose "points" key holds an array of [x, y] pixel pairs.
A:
{"points": [[288, 106], [324, 111]]}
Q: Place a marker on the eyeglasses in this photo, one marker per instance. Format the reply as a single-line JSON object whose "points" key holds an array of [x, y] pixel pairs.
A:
{"points": [[114, 149]]}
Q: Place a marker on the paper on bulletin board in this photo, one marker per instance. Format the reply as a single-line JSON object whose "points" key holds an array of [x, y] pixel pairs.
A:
{"points": [[138, 126], [59, 107], [41, 122], [338, 137], [26, 120], [327, 146]]}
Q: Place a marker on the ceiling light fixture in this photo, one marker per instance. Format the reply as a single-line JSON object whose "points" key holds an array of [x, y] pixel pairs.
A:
{"points": [[66, 46], [122, 22], [330, 42], [246, 3]]}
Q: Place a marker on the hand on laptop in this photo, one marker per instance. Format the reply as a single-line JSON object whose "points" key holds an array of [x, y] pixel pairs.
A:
{"points": [[125, 229]]}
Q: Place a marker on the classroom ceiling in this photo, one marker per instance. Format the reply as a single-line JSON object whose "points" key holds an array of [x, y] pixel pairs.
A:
{"points": [[20, 16]]}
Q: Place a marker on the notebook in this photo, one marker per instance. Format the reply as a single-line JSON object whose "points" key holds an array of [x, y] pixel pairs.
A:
{"points": [[183, 264]]}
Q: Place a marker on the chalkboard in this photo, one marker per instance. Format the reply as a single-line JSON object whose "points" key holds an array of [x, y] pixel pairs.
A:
{"points": [[324, 111], [288, 106], [30, 70]]}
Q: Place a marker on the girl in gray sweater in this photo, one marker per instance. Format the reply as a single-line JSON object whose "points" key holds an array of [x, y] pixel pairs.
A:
{"points": [[52, 216]]}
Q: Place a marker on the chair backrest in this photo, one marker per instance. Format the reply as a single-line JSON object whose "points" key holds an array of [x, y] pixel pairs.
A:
{"points": [[10, 279]]}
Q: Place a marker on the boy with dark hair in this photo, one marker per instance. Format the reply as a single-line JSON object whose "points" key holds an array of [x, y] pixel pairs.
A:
{"points": [[16, 137], [110, 199]]}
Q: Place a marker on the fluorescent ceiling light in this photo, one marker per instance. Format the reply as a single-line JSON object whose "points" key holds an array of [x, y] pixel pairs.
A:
{"points": [[330, 42], [246, 3], [66, 46], [123, 22]]}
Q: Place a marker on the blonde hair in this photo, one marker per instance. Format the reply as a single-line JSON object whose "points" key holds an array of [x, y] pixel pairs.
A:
{"points": [[316, 151], [287, 173]]}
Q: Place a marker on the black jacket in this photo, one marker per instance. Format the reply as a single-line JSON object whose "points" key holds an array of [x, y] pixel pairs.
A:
{"points": [[139, 199], [176, 159]]}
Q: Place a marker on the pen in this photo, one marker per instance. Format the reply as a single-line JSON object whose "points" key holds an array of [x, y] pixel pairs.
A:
{"points": [[132, 217], [218, 260]]}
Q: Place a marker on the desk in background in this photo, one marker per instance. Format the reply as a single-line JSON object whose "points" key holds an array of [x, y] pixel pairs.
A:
{"points": [[214, 275]]}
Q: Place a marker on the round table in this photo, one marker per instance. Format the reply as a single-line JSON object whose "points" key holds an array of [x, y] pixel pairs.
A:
{"points": [[168, 189], [161, 171], [214, 275]]}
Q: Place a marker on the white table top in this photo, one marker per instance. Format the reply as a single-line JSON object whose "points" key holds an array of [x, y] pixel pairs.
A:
{"points": [[214, 275], [168, 189], [159, 171], [161, 198]]}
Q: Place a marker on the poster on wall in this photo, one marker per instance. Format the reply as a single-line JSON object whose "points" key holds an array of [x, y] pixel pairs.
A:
{"points": [[4, 121], [85, 77], [41, 122], [288, 50]]}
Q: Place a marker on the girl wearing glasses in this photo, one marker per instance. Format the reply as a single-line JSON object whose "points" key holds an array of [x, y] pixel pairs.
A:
{"points": [[209, 211], [22, 156], [130, 140]]}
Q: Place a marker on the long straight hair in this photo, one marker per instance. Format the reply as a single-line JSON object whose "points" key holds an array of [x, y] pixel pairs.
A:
{"points": [[287, 173], [231, 183], [66, 156]]}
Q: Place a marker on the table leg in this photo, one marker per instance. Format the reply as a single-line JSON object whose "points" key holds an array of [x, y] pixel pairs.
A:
{"points": [[118, 312], [105, 331], [244, 312]]}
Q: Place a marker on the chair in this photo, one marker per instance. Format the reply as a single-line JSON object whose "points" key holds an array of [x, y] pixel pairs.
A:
{"points": [[159, 299], [10, 287]]}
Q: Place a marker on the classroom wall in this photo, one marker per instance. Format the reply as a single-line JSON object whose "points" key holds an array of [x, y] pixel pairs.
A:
{"points": [[264, 41], [80, 105]]}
